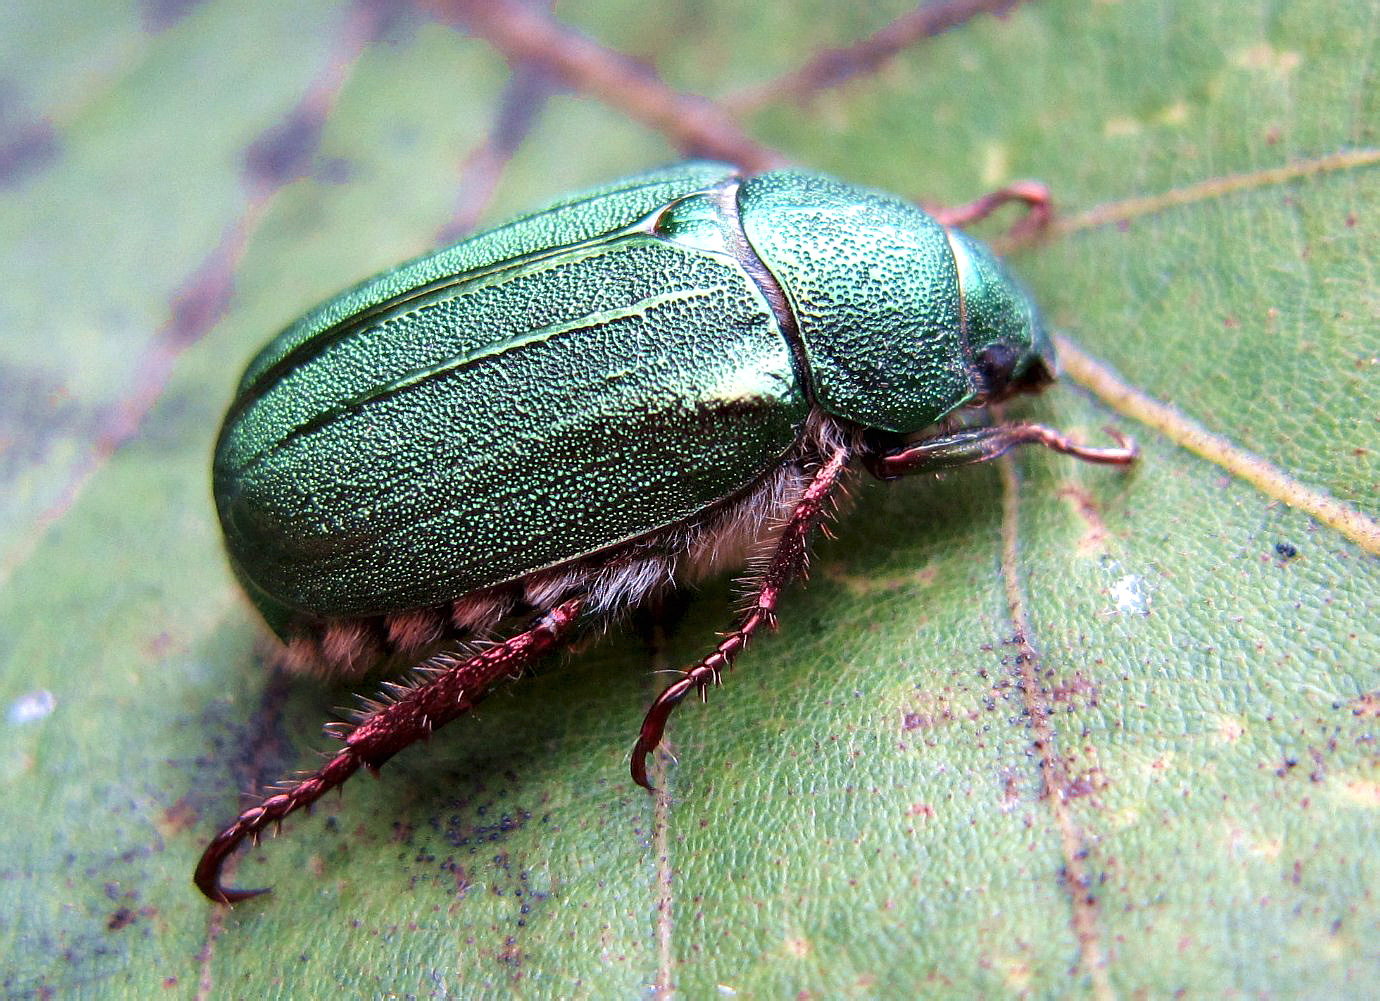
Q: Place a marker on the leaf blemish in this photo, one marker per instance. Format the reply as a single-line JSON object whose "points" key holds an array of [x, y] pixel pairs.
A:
{"points": [[26, 147], [1267, 58], [31, 707], [1129, 597], [1094, 539]]}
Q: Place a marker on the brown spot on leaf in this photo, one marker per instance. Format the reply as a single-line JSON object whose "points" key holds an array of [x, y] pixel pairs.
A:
{"points": [[932, 710], [1075, 692], [1366, 706], [159, 646], [181, 816], [1086, 784]]}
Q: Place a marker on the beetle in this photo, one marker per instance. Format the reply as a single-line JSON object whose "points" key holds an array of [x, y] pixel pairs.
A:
{"points": [[557, 419]]}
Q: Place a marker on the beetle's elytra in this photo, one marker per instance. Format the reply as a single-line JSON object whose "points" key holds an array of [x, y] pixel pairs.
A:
{"points": [[560, 417]]}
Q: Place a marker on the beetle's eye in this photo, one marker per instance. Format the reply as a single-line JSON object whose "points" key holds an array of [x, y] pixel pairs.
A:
{"points": [[996, 363], [1036, 377]]}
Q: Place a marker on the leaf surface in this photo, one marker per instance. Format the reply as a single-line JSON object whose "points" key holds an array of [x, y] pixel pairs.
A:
{"points": [[1038, 728]]}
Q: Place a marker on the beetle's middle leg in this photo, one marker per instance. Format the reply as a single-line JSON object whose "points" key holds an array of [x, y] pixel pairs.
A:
{"points": [[787, 561], [979, 444]]}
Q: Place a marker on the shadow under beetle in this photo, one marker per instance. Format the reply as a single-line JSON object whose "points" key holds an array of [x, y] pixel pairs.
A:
{"points": [[634, 387]]}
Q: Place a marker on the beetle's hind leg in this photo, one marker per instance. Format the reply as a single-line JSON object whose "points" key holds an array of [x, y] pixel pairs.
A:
{"points": [[452, 688], [786, 562]]}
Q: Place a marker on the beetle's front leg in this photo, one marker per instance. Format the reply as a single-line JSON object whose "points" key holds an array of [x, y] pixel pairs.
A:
{"points": [[970, 445], [1039, 208], [788, 560]]}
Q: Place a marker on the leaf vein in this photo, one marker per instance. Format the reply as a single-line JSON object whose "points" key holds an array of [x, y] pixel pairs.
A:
{"points": [[1102, 381], [1073, 842]]}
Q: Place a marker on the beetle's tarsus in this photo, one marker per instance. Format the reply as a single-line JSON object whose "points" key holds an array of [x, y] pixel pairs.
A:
{"points": [[207, 876], [381, 735], [654, 726]]}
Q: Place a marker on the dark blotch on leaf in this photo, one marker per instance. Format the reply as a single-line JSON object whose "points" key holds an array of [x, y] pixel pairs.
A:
{"points": [[283, 152], [199, 305], [160, 15], [27, 145], [1286, 551], [334, 170]]}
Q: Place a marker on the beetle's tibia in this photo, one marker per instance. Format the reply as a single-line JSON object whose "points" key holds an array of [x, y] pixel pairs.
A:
{"points": [[967, 446]]}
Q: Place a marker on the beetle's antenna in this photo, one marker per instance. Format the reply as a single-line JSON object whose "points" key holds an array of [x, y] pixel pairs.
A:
{"points": [[411, 716]]}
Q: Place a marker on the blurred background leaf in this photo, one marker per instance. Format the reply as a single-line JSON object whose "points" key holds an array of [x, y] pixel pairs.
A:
{"points": [[1038, 729]]}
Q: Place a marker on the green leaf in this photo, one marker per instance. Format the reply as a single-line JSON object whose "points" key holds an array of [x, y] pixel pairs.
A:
{"points": [[1044, 728]]}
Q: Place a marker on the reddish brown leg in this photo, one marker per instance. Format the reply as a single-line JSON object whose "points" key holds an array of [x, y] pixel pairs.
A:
{"points": [[969, 445], [383, 733], [787, 561], [1032, 194]]}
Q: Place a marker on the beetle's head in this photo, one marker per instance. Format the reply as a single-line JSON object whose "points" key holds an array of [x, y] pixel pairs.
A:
{"points": [[1007, 340]]}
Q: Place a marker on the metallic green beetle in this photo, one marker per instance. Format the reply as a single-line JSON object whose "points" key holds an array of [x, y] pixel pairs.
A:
{"points": [[563, 416]]}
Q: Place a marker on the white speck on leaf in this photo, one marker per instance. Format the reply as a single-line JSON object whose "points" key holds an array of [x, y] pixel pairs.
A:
{"points": [[1128, 593], [31, 707]]}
